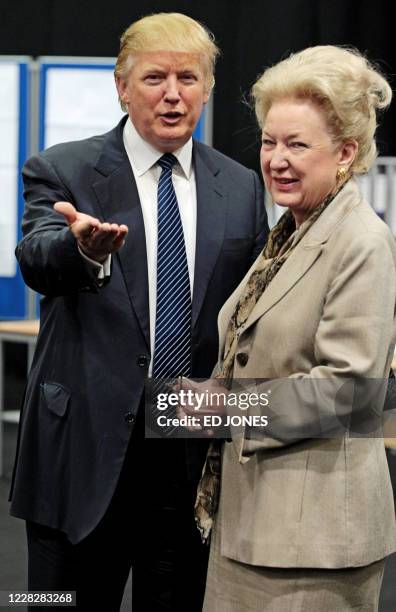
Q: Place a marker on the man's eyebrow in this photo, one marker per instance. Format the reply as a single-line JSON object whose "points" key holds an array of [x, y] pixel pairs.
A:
{"points": [[153, 69]]}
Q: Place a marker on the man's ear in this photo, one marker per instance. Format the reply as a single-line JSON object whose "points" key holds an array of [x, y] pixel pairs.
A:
{"points": [[209, 86], [121, 85], [207, 96]]}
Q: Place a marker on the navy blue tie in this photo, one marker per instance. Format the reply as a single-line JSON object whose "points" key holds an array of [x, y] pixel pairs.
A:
{"points": [[172, 348]]}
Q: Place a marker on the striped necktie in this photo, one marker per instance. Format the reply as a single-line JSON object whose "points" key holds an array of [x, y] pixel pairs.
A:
{"points": [[172, 347]]}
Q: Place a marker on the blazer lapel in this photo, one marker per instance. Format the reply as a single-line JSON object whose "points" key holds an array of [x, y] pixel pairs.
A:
{"points": [[304, 257], [118, 197], [289, 275], [211, 216], [291, 272]]}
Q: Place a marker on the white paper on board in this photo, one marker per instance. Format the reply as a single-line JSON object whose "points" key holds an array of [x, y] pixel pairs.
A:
{"points": [[9, 118], [80, 102]]}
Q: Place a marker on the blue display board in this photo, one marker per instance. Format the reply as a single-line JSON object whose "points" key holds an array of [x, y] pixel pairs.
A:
{"points": [[13, 294]]}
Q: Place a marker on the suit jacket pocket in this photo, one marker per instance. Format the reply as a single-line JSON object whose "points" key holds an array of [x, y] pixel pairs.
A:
{"points": [[56, 397]]}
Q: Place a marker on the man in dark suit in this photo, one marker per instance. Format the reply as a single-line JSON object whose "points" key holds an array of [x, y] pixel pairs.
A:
{"points": [[97, 498]]}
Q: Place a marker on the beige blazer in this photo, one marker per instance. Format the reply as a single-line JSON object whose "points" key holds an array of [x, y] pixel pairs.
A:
{"points": [[329, 314]]}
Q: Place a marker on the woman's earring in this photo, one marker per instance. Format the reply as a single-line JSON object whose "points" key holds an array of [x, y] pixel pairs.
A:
{"points": [[341, 174]]}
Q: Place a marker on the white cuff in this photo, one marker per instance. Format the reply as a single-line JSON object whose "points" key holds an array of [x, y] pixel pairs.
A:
{"points": [[102, 270]]}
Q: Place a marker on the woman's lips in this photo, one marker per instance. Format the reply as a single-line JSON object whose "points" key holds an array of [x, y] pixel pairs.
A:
{"points": [[284, 184]]}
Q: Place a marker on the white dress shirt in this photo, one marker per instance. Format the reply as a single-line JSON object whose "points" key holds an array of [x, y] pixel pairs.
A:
{"points": [[143, 159]]}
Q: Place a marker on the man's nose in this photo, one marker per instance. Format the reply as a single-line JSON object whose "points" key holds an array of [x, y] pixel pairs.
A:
{"points": [[172, 93]]}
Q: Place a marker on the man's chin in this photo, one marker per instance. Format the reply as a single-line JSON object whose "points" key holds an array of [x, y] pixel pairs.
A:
{"points": [[171, 139]]}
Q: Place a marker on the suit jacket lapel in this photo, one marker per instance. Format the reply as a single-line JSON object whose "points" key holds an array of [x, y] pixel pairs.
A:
{"points": [[211, 216], [119, 200]]}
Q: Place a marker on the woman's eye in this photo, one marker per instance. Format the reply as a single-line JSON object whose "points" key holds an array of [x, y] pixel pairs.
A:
{"points": [[266, 142], [298, 145]]}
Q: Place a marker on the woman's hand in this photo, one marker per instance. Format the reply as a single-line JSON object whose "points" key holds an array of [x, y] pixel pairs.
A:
{"points": [[201, 400]]}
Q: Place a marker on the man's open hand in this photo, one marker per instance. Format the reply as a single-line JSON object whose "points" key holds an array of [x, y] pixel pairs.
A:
{"points": [[97, 240]]}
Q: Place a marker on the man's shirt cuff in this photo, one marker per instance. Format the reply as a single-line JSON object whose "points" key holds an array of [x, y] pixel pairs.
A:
{"points": [[102, 270]]}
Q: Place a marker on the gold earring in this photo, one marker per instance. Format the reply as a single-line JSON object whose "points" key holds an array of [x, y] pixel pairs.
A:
{"points": [[341, 173]]}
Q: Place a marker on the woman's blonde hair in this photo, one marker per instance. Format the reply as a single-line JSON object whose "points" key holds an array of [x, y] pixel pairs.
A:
{"points": [[167, 32], [348, 89]]}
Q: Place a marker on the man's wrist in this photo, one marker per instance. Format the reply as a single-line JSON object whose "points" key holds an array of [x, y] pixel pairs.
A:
{"points": [[95, 259], [102, 269]]}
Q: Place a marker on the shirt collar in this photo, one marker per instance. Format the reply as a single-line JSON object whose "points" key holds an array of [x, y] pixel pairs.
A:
{"points": [[144, 155]]}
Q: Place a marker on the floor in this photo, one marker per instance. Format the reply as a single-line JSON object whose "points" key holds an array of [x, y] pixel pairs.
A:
{"points": [[13, 561]]}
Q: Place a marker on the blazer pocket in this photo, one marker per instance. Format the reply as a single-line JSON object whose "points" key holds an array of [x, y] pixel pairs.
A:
{"points": [[56, 397]]}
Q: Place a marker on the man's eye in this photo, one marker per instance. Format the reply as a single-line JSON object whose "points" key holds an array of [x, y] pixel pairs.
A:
{"points": [[188, 78], [152, 78]]}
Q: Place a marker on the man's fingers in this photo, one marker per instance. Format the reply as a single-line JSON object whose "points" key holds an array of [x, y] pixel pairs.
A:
{"points": [[110, 234], [105, 239], [103, 236], [95, 238], [119, 240], [83, 230], [72, 216], [67, 210]]}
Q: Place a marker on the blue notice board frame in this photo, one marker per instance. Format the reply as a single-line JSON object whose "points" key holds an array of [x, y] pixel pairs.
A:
{"points": [[47, 64], [13, 292]]}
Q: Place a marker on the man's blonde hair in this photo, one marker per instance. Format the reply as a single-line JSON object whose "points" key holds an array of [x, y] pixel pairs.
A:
{"points": [[341, 81], [167, 32]]}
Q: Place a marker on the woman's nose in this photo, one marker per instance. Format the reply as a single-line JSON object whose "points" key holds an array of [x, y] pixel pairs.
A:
{"points": [[279, 159]]}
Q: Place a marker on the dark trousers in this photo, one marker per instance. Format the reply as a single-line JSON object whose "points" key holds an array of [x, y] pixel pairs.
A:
{"points": [[148, 526]]}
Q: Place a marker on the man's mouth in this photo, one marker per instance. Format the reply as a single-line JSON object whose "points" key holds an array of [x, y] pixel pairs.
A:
{"points": [[171, 116]]}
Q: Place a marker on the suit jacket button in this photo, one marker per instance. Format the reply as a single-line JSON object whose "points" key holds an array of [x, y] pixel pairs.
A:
{"points": [[242, 359], [142, 361], [129, 418]]}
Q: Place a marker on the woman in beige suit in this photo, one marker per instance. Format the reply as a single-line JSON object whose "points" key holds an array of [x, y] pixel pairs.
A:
{"points": [[306, 513]]}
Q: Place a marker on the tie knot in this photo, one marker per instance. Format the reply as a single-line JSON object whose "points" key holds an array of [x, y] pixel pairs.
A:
{"points": [[167, 161]]}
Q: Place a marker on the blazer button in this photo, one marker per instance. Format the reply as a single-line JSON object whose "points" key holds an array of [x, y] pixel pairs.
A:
{"points": [[142, 361], [242, 359], [129, 418]]}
